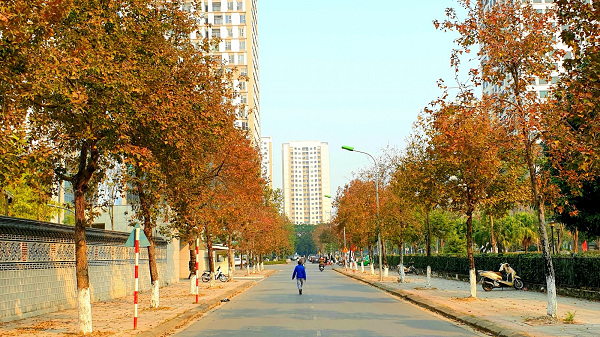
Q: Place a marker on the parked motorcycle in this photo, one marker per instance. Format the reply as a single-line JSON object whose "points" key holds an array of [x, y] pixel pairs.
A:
{"points": [[409, 270], [495, 279], [219, 275]]}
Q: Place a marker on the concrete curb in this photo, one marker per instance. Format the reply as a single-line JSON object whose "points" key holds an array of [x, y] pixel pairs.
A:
{"points": [[478, 323], [181, 320]]}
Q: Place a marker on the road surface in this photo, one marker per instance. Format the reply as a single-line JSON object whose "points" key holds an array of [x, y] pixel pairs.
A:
{"points": [[331, 305]]}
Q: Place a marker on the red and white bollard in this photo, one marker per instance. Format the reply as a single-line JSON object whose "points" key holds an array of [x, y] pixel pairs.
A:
{"points": [[136, 282], [197, 271]]}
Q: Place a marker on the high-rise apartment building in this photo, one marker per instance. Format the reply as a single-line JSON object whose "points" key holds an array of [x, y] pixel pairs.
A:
{"points": [[235, 23], [306, 182], [539, 85], [266, 152]]}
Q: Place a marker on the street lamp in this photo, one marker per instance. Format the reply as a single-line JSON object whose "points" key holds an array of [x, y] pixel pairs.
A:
{"points": [[350, 148]]}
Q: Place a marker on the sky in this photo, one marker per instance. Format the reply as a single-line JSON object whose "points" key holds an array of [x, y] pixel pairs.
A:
{"points": [[348, 72]]}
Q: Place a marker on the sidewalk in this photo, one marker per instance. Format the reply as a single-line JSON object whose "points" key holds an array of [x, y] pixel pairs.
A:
{"points": [[115, 317], [505, 312]]}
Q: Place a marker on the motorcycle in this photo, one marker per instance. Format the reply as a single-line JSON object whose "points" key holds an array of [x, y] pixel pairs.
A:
{"points": [[409, 270], [218, 276], [321, 267], [495, 279]]}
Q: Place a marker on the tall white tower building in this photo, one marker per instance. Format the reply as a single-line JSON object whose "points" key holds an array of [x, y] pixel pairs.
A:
{"points": [[266, 152], [235, 23], [306, 182]]}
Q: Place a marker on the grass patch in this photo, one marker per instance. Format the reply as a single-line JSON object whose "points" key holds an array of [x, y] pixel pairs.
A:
{"points": [[275, 262], [569, 317]]}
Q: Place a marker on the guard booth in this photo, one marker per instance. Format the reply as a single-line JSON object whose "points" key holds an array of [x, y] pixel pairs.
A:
{"points": [[220, 255]]}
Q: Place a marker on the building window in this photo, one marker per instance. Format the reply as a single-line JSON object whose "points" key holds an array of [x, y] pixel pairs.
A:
{"points": [[242, 32], [218, 19], [242, 45], [216, 32], [231, 59], [228, 45], [239, 5], [216, 6], [227, 18], [242, 85], [229, 32], [244, 99], [230, 5], [240, 59], [543, 94], [242, 18]]}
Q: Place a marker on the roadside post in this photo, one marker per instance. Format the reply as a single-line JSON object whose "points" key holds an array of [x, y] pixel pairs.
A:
{"points": [[197, 271], [136, 239]]}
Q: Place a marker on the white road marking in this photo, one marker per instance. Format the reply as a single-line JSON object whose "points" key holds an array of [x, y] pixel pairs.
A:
{"points": [[318, 333]]}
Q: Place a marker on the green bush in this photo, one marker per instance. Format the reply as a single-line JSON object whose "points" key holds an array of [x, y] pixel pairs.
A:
{"points": [[571, 271]]}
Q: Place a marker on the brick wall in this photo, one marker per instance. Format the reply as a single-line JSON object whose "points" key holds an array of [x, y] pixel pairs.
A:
{"points": [[37, 267]]}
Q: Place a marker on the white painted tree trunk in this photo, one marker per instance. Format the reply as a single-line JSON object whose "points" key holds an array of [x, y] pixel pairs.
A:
{"points": [[473, 282], [193, 285], [154, 300], [254, 268], [262, 266], [248, 269], [385, 272], [362, 267], [212, 280], [372, 269], [552, 306], [428, 283], [84, 311], [401, 269]]}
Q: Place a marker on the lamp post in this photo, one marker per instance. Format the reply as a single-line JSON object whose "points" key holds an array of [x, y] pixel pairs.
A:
{"points": [[350, 148], [552, 233]]}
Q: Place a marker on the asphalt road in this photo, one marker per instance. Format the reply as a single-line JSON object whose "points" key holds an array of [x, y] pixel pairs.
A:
{"points": [[331, 305]]}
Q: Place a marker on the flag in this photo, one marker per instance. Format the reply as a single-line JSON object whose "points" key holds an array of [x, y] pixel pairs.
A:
{"points": [[584, 246]]}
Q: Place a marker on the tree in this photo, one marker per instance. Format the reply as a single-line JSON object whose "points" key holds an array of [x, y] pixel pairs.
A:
{"points": [[515, 46], [468, 143], [576, 123], [78, 87], [415, 179]]}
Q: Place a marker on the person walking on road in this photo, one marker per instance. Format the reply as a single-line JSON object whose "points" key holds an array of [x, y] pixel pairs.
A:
{"points": [[300, 276]]}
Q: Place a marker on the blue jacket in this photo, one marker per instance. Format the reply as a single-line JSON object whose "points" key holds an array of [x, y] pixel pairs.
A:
{"points": [[299, 271]]}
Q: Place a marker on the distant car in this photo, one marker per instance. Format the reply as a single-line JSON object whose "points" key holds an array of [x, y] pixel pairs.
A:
{"points": [[237, 261]]}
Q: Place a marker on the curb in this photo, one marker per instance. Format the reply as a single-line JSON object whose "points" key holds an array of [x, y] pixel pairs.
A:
{"points": [[181, 320], [478, 323]]}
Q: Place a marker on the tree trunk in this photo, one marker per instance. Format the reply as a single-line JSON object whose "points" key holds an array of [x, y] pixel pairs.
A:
{"points": [[155, 297], [383, 254], [492, 237], [576, 241], [211, 260], [248, 262], [538, 200], [401, 252], [87, 167], [148, 226], [231, 259], [472, 275], [84, 303], [192, 267], [428, 237]]}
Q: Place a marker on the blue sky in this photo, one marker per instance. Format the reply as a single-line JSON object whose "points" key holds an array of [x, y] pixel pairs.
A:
{"points": [[348, 72]]}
